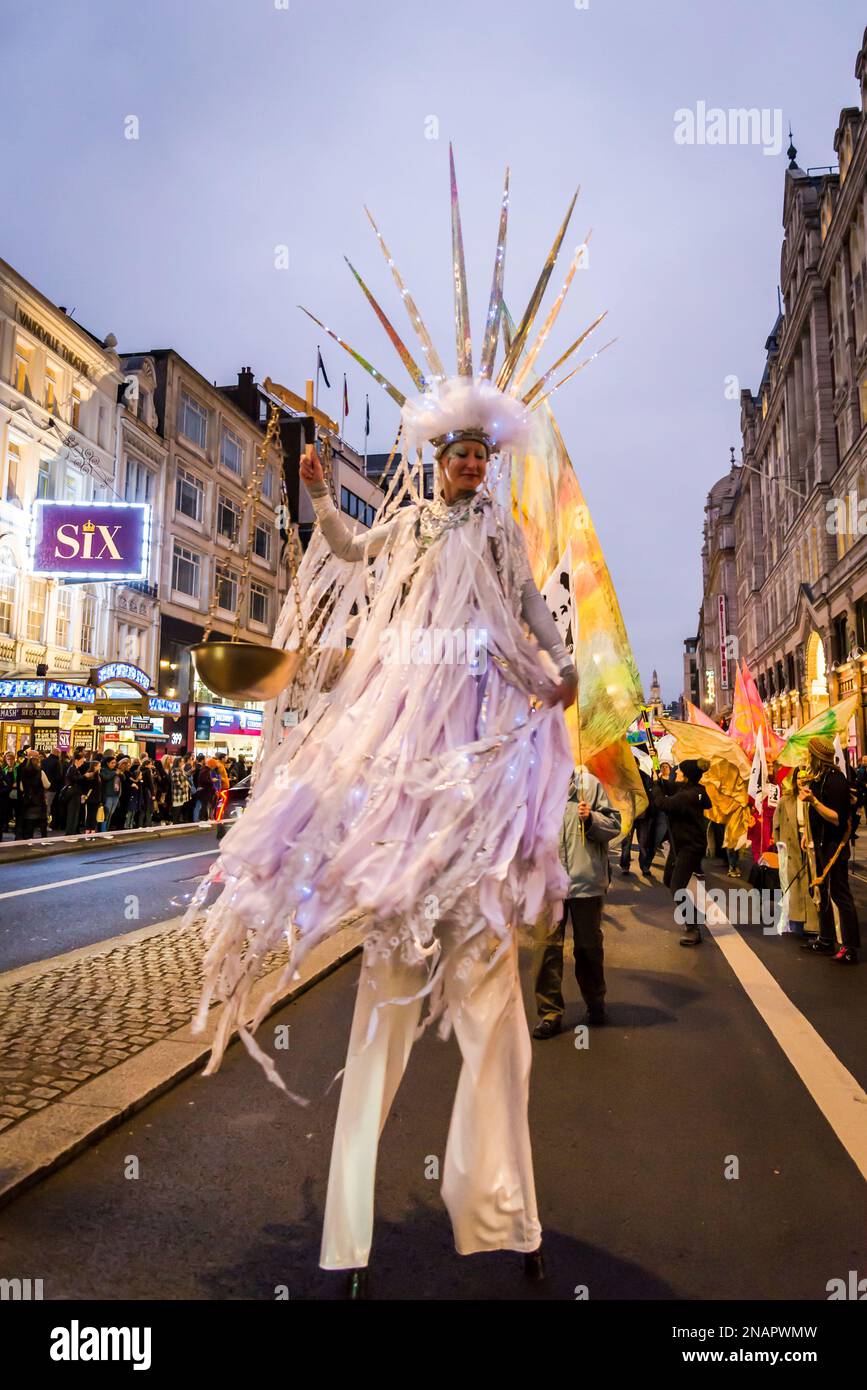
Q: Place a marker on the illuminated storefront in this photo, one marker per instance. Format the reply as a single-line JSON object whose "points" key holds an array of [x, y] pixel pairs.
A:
{"points": [[225, 730], [113, 707]]}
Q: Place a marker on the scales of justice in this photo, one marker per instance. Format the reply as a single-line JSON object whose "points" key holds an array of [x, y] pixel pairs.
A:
{"points": [[249, 670]]}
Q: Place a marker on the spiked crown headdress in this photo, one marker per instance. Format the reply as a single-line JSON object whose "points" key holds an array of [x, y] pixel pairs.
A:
{"points": [[498, 410]]}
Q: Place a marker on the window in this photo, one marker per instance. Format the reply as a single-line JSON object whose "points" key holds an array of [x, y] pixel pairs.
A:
{"points": [[36, 610], [75, 408], [193, 421], [139, 481], [189, 495], [51, 389], [356, 507], [22, 369], [185, 571], [228, 519], [43, 479], [268, 475], [63, 622], [14, 474], [260, 603], [102, 437], [8, 577], [227, 589], [88, 624], [232, 452], [262, 541]]}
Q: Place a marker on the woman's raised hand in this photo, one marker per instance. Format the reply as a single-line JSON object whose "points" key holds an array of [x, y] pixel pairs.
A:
{"points": [[311, 470]]}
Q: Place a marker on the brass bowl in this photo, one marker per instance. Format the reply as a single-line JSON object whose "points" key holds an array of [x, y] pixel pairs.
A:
{"points": [[244, 670]]}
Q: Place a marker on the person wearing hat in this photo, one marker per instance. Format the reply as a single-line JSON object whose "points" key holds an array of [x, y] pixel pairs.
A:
{"points": [[826, 796], [684, 802]]}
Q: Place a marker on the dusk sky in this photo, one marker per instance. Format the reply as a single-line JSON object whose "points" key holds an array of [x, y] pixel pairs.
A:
{"points": [[262, 125]]}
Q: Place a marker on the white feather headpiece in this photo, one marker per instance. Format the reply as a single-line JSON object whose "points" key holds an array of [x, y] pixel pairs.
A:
{"points": [[464, 407]]}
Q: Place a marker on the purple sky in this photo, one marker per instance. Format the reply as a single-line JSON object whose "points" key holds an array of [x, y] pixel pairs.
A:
{"points": [[262, 126]]}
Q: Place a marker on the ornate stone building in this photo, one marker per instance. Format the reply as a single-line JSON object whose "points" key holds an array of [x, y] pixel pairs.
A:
{"points": [[712, 664], [798, 502]]}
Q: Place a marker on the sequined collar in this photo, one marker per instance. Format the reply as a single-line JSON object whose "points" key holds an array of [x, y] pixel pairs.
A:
{"points": [[440, 516]]}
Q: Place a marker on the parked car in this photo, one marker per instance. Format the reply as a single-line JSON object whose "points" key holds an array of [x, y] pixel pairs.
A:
{"points": [[230, 805]]}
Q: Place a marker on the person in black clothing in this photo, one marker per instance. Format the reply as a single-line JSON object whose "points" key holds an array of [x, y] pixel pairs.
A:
{"points": [[684, 801], [32, 813], [74, 788], [53, 770], [830, 812]]}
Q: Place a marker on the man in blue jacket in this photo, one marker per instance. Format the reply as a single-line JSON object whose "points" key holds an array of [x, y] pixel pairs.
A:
{"points": [[589, 823]]}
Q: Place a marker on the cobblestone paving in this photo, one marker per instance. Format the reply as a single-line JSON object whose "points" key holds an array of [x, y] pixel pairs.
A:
{"points": [[65, 1026]]}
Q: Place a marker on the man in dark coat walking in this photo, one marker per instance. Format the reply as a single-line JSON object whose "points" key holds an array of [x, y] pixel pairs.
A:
{"points": [[684, 801]]}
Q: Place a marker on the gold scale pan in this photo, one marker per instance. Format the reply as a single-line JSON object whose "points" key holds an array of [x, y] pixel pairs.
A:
{"points": [[247, 670]]}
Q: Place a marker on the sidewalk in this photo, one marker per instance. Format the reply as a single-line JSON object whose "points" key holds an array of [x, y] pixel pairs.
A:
{"points": [[89, 1037], [14, 851]]}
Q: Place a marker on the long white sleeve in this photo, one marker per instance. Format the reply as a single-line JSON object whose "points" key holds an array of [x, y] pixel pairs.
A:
{"points": [[343, 542], [537, 616]]}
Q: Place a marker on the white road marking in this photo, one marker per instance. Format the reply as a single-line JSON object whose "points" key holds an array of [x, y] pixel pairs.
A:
{"points": [[834, 1089], [106, 873]]}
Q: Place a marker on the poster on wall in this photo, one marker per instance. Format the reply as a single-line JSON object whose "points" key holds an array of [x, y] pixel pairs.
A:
{"points": [[90, 540]]}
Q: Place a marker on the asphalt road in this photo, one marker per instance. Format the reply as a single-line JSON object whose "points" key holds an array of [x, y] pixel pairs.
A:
{"points": [[631, 1140], [59, 903]]}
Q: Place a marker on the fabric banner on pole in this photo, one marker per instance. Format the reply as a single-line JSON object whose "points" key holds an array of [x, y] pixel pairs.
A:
{"points": [[834, 720]]}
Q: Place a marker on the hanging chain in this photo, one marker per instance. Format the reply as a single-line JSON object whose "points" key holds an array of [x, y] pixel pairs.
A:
{"points": [[252, 497]]}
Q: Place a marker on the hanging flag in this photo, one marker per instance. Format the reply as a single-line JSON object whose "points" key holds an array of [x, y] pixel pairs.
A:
{"points": [[367, 416], [320, 367], [557, 593], [757, 785], [834, 720], [694, 715], [345, 396], [772, 740]]}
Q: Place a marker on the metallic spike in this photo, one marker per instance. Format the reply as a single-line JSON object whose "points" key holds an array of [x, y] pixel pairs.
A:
{"points": [[574, 372], [386, 385], [463, 339], [495, 308], [532, 308], [397, 342], [543, 380], [432, 357], [539, 341]]}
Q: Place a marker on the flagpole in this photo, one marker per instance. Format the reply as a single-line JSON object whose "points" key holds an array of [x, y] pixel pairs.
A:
{"points": [[366, 429], [318, 360], [343, 408]]}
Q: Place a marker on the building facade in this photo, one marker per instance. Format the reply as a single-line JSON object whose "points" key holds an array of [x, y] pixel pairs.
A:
{"points": [[60, 407], [713, 660], [797, 504]]}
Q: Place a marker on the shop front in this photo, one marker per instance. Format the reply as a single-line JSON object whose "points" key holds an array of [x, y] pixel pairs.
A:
{"points": [[227, 731], [110, 707]]}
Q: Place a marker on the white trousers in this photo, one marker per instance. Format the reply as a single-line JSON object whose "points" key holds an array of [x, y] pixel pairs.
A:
{"points": [[487, 1182]]}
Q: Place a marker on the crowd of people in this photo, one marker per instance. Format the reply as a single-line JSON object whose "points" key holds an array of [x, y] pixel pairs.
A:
{"points": [[80, 792], [796, 845]]}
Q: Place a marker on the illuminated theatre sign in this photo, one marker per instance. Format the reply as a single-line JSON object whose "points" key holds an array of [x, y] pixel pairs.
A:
{"points": [[91, 540]]}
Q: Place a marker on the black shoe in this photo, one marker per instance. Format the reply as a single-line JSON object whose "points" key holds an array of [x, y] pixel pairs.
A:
{"points": [[847, 955], [596, 1016], [356, 1284], [820, 948], [546, 1028], [691, 938], [534, 1266]]}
